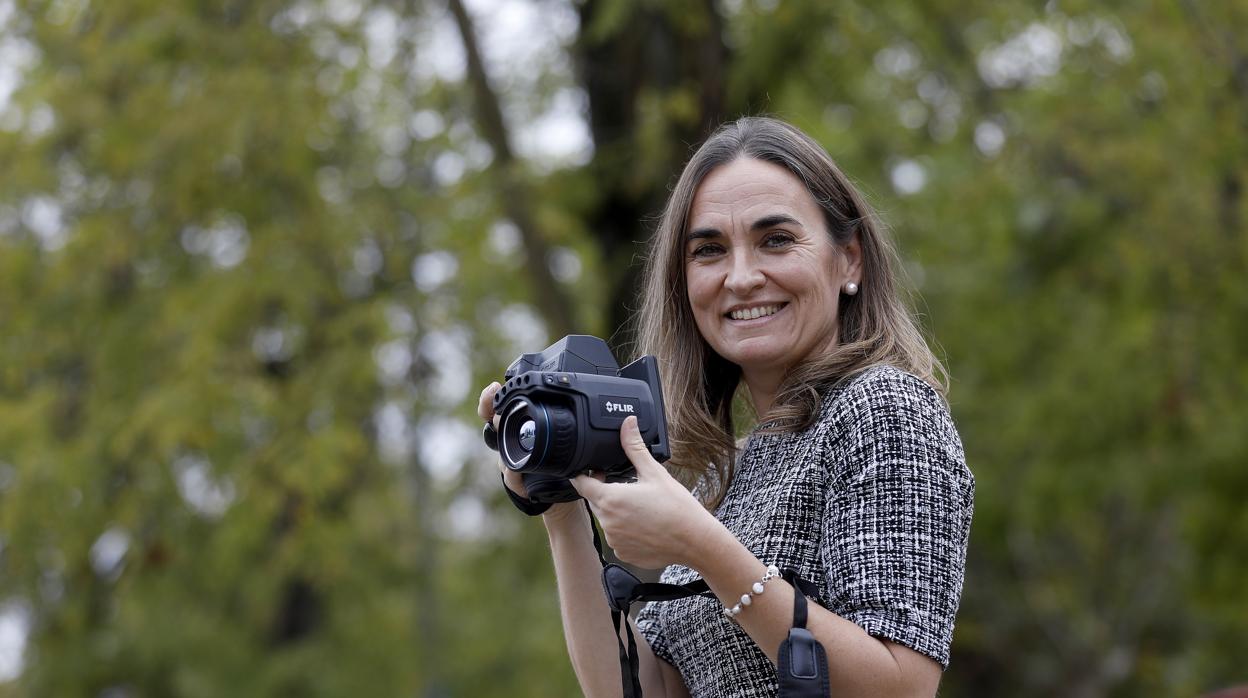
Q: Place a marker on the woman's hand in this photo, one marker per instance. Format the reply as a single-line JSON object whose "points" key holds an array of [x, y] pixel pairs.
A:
{"points": [[485, 410], [653, 522]]}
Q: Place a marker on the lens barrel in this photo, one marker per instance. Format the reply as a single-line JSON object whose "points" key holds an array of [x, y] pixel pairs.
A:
{"points": [[522, 429], [536, 436]]}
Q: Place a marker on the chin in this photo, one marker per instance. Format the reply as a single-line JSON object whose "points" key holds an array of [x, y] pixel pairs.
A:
{"points": [[767, 356]]}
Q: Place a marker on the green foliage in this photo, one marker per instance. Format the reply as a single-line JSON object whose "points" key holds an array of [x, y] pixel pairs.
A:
{"points": [[248, 256]]}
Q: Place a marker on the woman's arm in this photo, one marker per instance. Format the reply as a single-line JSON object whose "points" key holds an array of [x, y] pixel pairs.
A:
{"points": [[656, 521], [858, 664], [663, 678], [587, 626]]}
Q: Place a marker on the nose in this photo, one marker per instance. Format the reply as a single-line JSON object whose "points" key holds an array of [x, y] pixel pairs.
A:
{"points": [[745, 275]]}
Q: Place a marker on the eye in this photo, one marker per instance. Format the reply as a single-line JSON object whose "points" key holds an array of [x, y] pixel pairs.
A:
{"points": [[707, 249], [778, 239]]}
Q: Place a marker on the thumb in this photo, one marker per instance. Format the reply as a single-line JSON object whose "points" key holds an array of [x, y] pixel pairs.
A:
{"points": [[588, 487], [635, 448]]}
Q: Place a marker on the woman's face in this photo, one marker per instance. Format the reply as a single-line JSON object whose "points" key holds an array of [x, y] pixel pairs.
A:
{"points": [[762, 272]]}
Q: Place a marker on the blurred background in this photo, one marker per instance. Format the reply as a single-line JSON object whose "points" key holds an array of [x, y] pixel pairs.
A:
{"points": [[257, 258]]}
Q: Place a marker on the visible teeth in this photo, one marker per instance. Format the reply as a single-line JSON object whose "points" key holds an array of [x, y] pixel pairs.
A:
{"points": [[752, 313]]}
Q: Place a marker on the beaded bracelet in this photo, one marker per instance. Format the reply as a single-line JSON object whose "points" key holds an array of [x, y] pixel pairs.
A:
{"points": [[758, 588]]}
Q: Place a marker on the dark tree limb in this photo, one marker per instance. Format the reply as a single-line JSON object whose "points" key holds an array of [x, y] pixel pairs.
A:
{"points": [[649, 54], [551, 299]]}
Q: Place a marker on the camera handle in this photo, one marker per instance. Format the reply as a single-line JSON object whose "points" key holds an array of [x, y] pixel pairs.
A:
{"points": [[548, 489]]}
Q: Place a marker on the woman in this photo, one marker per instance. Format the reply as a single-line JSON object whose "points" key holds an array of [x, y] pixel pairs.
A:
{"points": [[769, 272]]}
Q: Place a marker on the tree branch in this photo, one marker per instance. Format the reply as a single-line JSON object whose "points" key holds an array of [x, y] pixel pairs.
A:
{"points": [[551, 300], [1223, 48]]}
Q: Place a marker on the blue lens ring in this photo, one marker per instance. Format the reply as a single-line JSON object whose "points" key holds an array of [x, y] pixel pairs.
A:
{"points": [[511, 460], [545, 418]]}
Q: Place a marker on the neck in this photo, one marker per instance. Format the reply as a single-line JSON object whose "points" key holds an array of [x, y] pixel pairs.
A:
{"points": [[764, 383], [763, 386]]}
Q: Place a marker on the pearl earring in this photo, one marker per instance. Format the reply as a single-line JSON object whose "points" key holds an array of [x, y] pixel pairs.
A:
{"points": [[851, 288]]}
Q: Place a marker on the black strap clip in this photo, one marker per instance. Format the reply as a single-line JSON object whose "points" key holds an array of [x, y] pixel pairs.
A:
{"points": [[620, 586], [801, 662]]}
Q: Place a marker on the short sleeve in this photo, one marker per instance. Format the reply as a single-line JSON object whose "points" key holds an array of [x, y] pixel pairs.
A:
{"points": [[649, 628], [898, 513]]}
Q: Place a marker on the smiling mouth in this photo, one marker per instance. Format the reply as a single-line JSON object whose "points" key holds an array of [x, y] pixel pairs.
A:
{"points": [[755, 313]]}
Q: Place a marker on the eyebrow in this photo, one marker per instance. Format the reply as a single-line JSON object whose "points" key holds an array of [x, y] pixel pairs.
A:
{"points": [[763, 223]]}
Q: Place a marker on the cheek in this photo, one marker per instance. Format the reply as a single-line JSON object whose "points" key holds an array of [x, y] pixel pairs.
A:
{"points": [[701, 291], [701, 298]]}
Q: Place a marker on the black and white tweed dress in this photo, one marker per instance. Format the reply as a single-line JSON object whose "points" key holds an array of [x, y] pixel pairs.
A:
{"points": [[872, 504]]}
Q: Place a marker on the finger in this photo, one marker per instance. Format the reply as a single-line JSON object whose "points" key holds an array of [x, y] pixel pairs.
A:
{"points": [[635, 448], [485, 405], [589, 487]]}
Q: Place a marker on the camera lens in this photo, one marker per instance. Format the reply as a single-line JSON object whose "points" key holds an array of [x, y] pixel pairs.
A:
{"points": [[519, 431], [537, 436], [528, 433]]}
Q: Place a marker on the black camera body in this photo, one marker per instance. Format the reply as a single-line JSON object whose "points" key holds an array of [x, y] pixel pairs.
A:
{"points": [[560, 413]]}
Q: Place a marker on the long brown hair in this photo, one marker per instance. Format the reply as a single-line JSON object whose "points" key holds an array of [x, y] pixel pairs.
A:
{"points": [[876, 327]]}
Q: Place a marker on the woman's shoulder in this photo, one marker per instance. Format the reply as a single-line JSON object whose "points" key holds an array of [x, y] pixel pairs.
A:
{"points": [[881, 386], [886, 409]]}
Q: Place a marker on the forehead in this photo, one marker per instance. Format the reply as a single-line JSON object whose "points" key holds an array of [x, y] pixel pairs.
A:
{"points": [[746, 188]]}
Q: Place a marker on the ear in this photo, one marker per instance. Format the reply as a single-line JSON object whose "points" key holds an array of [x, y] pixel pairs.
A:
{"points": [[852, 255]]}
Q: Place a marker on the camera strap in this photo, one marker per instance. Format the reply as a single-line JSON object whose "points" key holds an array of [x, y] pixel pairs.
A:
{"points": [[622, 588], [801, 663]]}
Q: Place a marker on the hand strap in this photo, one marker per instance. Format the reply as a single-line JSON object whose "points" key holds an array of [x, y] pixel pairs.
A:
{"points": [[524, 504]]}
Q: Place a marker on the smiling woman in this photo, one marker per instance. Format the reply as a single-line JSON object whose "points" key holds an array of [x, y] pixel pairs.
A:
{"points": [[763, 275], [769, 270], [765, 169]]}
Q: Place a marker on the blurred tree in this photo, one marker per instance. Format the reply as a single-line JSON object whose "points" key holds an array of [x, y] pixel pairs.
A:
{"points": [[190, 304], [1025, 150], [256, 257]]}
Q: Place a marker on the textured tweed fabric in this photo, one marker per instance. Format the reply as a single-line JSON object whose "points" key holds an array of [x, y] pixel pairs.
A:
{"points": [[872, 504]]}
